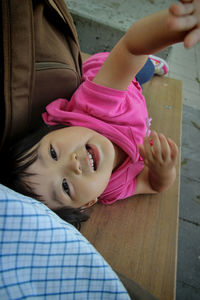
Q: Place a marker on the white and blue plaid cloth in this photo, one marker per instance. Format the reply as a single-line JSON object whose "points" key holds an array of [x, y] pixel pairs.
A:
{"points": [[43, 257]]}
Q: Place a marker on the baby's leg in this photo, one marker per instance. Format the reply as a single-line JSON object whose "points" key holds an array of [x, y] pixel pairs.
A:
{"points": [[146, 73], [154, 65]]}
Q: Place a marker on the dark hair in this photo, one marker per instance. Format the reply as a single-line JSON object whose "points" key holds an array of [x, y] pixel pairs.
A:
{"points": [[19, 157]]}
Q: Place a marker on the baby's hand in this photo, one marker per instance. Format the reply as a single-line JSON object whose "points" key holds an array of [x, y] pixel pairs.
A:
{"points": [[160, 155], [185, 16]]}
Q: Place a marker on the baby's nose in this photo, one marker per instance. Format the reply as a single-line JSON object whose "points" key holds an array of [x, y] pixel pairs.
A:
{"points": [[74, 164]]}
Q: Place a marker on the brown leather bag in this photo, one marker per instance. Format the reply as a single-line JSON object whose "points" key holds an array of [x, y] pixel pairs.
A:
{"points": [[40, 61]]}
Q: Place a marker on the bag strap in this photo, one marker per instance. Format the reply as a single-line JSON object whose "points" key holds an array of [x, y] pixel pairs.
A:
{"points": [[15, 18], [60, 7], [62, 10]]}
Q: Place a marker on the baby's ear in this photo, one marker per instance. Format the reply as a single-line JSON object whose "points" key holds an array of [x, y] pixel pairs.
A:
{"points": [[89, 204]]}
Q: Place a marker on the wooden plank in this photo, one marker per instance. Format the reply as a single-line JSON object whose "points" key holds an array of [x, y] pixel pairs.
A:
{"points": [[138, 236]]}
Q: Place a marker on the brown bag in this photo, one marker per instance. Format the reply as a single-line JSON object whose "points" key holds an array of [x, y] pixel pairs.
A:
{"points": [[40, 61]]}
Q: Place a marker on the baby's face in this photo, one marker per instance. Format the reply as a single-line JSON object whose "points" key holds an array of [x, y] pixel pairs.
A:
{"points": [[73, 167]]}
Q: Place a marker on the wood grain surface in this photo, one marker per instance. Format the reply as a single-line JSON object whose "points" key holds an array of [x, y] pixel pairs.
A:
{"points": [[138, 236]]}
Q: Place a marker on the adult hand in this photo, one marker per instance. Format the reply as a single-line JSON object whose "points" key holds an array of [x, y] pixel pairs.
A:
{"points": [[185, 16]]}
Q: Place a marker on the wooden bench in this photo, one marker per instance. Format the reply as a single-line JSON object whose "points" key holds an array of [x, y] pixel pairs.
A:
{"points": [[138, 236]]}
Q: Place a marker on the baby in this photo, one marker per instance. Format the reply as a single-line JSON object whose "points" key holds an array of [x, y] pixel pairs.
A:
{"points": [[106, 151]]}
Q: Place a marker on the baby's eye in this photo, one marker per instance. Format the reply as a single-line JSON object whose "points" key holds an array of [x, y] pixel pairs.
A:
{"points": [[53, 153], [65, 186]]}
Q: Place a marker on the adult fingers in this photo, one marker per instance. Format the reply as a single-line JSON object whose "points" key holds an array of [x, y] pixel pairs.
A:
{"points": [[192, 38], [178, 9], [183, 23], [186, 1]]}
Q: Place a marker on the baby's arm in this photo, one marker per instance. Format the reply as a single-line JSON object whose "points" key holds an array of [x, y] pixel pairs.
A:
{"points": [[148, 36], [160, 158]]}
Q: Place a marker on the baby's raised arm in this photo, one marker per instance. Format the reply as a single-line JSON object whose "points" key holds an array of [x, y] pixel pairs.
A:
{"points": [[181, 22]]}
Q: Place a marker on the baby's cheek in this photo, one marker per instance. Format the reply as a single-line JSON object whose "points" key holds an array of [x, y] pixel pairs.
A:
{"points": [[100, 184]]}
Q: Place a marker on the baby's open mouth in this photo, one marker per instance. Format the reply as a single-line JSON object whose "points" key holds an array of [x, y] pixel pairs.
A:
{"points": [[93, 156]]}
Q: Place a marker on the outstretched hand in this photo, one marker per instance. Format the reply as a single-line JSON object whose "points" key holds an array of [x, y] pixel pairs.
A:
{"points": [[160, 155], [185, 16]]}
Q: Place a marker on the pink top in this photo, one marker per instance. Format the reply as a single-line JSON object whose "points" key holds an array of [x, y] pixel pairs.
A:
{"points": [[121, 116]]}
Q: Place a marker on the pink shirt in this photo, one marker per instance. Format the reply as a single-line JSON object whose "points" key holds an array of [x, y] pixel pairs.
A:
{"points": [[121, 116]]}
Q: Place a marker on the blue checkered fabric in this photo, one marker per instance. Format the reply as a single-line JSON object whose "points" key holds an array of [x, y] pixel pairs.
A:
{"points": [[43, 257]]}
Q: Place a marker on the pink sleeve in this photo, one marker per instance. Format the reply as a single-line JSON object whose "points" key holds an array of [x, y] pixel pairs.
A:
{"points": [[122, 183]]}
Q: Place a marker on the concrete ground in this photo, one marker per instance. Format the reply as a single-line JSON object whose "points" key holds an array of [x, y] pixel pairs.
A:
{"points": [[100, 24], [185, 65]]}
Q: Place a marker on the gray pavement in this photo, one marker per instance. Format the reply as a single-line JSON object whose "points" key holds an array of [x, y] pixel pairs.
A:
{"points": [[100, 24]]}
